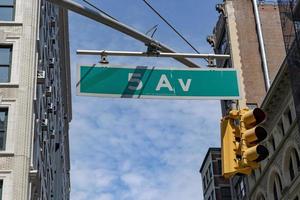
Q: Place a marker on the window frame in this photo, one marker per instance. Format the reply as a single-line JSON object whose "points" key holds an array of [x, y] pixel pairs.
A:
{"points": [[5, 110], [9, 65], [277, 187], [13, 7], [11, 129], [1, 188]]}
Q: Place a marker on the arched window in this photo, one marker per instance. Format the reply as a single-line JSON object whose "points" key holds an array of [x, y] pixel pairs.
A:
{"points": [[261, 197], [277, 187], [296, 198], [294, 164]]}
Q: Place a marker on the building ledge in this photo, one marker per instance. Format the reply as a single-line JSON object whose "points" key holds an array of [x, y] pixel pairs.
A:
{"points": [[6, 154], [10, 23], [9, 85]]}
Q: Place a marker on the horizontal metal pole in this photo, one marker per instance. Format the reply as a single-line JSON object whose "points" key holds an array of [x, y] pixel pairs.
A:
{"points": [[103, 19], [145, 54]]}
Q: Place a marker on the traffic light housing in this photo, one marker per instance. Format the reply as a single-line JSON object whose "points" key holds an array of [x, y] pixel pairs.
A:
{"points": [[252, 133], [240, 136]]}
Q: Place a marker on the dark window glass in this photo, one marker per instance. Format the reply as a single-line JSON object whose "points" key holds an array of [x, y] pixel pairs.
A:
{"points": [[297, 159], [291, 170], [5, 63], [3, 127], [289, 116], [225, 193], [277, 187], [212, 194], [275, 192], [1, 188], [240, 189], [261, 197], [273, 143], [7, 10], [296, 198], [219, 167], [281, 127]]}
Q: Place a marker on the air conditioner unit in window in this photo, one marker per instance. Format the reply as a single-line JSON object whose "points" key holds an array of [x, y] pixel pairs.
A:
{"points": [[52, 134], [41, 77], [53, 40], [51, 62], [44, 124], [50, 108], [33, 175], [52, 22], [54, 110], [48, 91]]}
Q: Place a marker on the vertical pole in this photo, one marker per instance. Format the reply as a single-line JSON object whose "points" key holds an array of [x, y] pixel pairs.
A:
{"points": [[261, 45]]}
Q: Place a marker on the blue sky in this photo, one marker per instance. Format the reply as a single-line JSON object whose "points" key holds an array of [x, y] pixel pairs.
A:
{"points": [[131, 149]]}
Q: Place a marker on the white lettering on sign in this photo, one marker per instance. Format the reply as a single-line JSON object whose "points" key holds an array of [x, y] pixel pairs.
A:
{"points": [[164, 82], [133, 78], [185, 87]]}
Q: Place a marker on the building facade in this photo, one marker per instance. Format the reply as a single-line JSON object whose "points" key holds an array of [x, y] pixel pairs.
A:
{"points": [[35, 101], [236, 34], [213, 183]]}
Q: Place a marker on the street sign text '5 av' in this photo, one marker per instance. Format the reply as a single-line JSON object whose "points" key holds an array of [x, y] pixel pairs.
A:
{"points": [[153, 82]]}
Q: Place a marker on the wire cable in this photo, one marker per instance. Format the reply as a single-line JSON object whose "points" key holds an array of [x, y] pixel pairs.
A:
{"points": [[92, 5], [179, 34]]}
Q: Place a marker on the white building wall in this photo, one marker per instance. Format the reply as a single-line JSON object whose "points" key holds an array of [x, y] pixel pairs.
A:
{"points": [[24, 173]]}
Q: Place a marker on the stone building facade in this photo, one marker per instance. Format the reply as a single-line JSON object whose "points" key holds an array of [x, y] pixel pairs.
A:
{"points": [[35, 101]]}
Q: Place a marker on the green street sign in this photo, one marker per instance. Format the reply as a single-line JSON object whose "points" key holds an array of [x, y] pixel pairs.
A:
{"points": [[153, 82]]}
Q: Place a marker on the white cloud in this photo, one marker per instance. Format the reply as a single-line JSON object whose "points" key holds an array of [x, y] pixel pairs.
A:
{"points": [[125, 149]]}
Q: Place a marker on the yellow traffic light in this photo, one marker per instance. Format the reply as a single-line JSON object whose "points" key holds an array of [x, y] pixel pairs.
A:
{"points": [[240, 135], [229, 147], [231, 153], [252, 133]]}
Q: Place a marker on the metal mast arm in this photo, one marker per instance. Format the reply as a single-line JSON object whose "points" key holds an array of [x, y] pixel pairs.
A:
{"points": [[97, 16]]}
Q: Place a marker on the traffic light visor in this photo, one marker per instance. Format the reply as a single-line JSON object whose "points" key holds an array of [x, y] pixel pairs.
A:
{"points": [[254, 117], [255, 135], [256, 153]]}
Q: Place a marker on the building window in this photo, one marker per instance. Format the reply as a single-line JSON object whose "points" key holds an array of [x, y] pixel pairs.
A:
{"points": [[207, 177], [3, 127], [281, 127], [252, 106], [261, 197], [294, 164], [1, 189], [240, 189], [291, 170], [204, 183], [212, 194], [273, 143], [210, 171], [225, 193], [5, 62], [7, 10], [219, 167], [277, 188], [288, 116]]}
